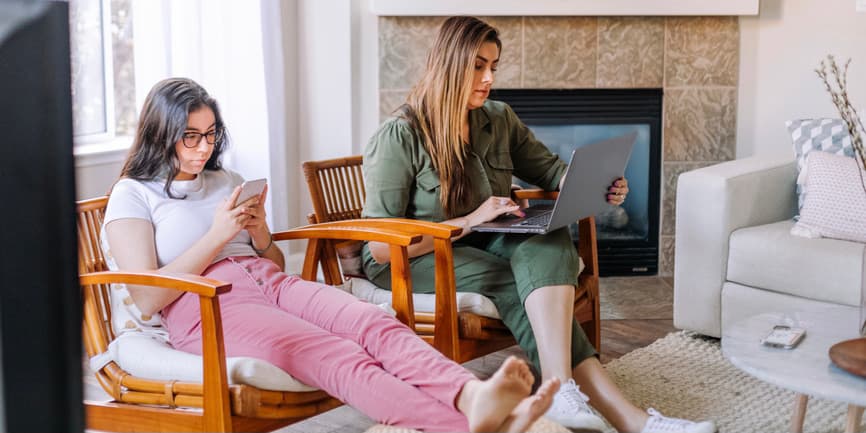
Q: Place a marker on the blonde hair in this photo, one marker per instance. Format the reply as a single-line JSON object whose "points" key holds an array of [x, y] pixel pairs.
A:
{"points": [[437, 104]]}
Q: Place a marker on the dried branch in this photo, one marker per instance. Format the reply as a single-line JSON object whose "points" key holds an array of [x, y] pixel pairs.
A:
{"points": [[839, 96]]}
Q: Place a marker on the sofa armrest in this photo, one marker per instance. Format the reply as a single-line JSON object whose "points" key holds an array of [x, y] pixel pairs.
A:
{"points": [[712, 202]]}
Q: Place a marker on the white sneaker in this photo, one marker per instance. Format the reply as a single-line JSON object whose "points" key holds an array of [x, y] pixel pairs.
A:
{"points": [[570, 409], [662, 424]]}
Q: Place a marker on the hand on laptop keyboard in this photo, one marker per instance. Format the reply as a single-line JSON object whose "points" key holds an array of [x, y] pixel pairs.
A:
{"points": [[493, 208]]}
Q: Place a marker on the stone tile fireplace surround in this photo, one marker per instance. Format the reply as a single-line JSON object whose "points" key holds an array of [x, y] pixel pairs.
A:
{"points": [[693, 59]]}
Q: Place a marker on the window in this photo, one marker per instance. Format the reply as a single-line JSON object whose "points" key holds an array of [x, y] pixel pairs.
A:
{"points": [[103, 70]]}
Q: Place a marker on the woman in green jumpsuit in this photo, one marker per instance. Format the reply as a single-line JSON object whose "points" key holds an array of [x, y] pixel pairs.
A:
{"points": [[449, 156]]}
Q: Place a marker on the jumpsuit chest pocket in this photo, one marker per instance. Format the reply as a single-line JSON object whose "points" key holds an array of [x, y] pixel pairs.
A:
{"points": [[427, 180], [501, 169], [424, 200]]}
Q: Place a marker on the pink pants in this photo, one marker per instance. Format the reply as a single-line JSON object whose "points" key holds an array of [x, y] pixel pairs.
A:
{"points": [[328, 339]]}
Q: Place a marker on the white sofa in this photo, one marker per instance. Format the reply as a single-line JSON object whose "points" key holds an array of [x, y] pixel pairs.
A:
{"points": [[735, 256]]}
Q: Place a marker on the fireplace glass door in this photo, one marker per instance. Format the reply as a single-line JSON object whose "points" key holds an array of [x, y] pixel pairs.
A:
{"points": [[567, 119]]}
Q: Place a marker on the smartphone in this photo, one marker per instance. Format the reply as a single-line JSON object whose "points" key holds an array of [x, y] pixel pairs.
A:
{"points": [[250, 189], [783, 336]]}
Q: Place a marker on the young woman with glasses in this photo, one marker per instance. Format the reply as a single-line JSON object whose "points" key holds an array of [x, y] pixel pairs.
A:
{"points": [[174, 210]]}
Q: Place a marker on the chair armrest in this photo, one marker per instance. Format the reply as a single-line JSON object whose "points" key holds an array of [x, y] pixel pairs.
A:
{"points": [[356, 230], [215, 385], [321, 249], [445, 338], [533, 194], [399, 233], [711, 203], [427, 228], [403, 225], [202, 286]]}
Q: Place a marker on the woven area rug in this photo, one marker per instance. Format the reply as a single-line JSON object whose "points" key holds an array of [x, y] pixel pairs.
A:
{"points": [[685, 376]]}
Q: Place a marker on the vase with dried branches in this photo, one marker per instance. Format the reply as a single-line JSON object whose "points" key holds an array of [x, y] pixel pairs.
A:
{"points": [[850, 355], [836, 83]]}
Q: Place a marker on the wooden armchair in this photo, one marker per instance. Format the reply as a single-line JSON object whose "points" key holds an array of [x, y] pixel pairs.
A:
{"points": [[337, 191], [143, 404]]}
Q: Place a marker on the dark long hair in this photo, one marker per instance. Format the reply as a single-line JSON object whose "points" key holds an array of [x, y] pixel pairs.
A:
{"points": [[162, 123]]}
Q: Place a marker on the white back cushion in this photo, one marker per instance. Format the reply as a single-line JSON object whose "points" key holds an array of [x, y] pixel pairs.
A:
{"points": [[425, 303]]}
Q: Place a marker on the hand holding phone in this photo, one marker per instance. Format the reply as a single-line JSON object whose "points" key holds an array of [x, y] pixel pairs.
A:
{"points": [[250, 189]]}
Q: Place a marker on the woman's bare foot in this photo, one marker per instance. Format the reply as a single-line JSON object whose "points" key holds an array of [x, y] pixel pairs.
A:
{"points": [[489, 404], [530, 408]]}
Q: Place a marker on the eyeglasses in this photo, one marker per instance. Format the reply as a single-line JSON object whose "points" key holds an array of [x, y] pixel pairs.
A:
{"points": [[192, 139]]}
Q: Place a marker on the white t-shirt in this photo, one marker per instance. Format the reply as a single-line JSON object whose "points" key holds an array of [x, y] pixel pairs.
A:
{"points": [[178, 223]]}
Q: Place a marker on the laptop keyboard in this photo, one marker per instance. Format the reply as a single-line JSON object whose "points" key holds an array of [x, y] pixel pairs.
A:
{"points": [[537, 220]]}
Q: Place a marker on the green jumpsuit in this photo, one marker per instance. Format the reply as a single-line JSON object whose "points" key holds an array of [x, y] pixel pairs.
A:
{"points": [[401, 182]]}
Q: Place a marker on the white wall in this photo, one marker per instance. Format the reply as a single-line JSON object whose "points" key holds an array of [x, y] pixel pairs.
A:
{"points": [[366, 66], [94, 177], [289, 127], [325, 93], [779, 51], [324, 78]]}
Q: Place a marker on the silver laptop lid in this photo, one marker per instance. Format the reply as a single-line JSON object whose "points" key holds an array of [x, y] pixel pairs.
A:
{"points": [[592, 169]]}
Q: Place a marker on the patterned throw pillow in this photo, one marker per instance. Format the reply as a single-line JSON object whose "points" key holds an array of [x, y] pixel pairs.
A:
{"points": [[836, 204], [824, 135]]}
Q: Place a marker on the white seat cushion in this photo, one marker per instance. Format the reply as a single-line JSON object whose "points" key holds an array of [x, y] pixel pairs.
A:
{"points": [[770, 257], [425, 303], [150, 357]]}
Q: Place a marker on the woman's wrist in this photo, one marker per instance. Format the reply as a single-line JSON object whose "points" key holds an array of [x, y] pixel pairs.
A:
{"points": [[266, 248], [261, 239], [466, 224]]}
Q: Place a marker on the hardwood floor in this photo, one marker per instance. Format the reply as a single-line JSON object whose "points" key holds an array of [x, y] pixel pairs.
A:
{"points": [[621, 336], [635, 311]]}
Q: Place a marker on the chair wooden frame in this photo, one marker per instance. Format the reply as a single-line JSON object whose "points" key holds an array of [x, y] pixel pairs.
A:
{"points": [[141, 404], [337, 191]]}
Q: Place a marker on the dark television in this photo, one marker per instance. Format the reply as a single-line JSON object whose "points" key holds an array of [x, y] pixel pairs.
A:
{"points": [[40, 307]]}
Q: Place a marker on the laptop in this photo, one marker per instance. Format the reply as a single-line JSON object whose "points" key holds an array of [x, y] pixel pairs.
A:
{"points": [[592, 169]]}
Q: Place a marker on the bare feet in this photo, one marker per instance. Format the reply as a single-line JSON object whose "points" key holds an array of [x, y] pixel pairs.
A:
{"points": [[530, 408], [489, 404]]}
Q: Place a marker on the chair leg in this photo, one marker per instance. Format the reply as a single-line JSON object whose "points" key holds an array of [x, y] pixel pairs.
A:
{"points": [[800, 402], [593, 333], [853, 422], [592, 324]]}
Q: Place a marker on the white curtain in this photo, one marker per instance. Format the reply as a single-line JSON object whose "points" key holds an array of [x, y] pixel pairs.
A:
{"points": [[234, 49]]}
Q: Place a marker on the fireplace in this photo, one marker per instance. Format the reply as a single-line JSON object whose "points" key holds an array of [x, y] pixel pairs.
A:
{"points": [[628, 236]]}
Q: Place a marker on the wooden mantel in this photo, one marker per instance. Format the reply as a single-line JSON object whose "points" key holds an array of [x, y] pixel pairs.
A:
{"points": [[564, 7]]}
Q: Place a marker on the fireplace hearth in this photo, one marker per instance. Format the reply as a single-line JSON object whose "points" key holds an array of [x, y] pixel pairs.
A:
{"points": [[563, 119]]}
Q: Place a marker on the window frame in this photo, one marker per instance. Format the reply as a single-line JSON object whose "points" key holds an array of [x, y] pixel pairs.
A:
{"points": [[83, 141]]}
